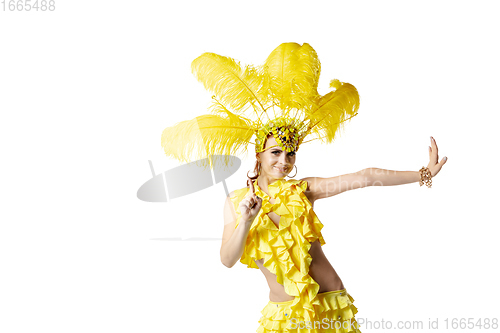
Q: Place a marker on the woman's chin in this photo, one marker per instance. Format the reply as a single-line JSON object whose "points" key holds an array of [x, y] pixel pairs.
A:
{"points": [[280, 174]]}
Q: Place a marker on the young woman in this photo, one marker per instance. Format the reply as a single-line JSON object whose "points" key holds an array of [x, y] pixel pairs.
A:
{"points": [[270, 224], [244, 221]]}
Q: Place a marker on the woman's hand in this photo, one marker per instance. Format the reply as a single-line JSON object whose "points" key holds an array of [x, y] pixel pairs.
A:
{"points": [[433, 165], [250, 205]]}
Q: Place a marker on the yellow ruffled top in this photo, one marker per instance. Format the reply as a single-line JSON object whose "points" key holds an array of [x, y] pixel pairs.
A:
{"points": [[285, 249]]}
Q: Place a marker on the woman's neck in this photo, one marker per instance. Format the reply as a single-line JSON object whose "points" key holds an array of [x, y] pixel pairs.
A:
{"points": [[264, 181]]}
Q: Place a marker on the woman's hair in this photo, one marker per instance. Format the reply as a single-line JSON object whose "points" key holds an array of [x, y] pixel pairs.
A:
{"points": [[256, 169]]}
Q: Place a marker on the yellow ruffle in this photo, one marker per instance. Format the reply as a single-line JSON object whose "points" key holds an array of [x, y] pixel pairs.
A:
{"points": [[285, 250], [334, 313]]}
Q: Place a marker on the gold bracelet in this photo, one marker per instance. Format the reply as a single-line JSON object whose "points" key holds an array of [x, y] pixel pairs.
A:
{"points": [[425, 177]]}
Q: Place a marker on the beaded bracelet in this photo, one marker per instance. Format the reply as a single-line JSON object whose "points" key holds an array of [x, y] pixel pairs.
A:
{"points": [[425, 177]]}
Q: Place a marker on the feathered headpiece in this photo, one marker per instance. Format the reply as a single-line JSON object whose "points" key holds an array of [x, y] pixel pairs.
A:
{"points": [[278, 97]]}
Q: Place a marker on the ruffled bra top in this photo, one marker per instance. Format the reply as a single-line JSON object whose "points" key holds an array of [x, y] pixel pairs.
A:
{"points": [[284, 248]]}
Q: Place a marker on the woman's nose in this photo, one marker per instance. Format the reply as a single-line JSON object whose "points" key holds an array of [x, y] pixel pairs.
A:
{"points": [[283, 159]]}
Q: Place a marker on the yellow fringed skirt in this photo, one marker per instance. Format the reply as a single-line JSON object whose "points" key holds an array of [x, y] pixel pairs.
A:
{"points": [[334, 315]]}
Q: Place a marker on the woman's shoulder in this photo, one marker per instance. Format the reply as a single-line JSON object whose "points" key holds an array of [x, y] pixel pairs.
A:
{"points": [[305, 185], [299, 183]]}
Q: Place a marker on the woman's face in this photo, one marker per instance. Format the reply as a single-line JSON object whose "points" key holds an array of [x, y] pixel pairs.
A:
{"points": [[275, 162]]}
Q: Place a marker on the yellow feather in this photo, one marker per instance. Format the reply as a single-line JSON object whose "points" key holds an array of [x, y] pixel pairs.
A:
{"points": [[292, 75], [307, 71], [287, 80], [233, 85], [333, 110], [221, 134], [279, 72]]}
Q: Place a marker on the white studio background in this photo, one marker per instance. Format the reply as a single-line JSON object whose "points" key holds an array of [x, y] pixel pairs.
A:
{"points": [[86, 90]]}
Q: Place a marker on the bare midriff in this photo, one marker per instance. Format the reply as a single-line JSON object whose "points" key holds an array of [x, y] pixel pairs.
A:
{"points": [[320, 271]]}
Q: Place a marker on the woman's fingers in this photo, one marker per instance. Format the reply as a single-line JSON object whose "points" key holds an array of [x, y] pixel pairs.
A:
{"points": [[248, 202], [250, 182], [433, 151], [437, 167], [254, 199], [443, 161], [251, 202], [434, 166]]}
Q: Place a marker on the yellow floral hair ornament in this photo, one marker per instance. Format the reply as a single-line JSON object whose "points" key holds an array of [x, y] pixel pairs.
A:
{"points": [[279, 97], [287, 133]]}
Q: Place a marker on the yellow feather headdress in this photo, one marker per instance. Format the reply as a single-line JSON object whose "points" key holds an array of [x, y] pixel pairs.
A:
{"points": [[279, 97]]}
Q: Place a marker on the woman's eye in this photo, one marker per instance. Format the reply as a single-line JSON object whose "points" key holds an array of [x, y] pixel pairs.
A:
{"points": [[289, 154]]}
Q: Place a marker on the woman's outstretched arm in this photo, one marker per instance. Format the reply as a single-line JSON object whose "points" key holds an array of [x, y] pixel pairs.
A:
{"points": [[383, 177], [320, 188]]}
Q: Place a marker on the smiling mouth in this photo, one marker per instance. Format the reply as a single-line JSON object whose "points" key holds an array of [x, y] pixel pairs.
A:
{"points": [[281, 170]]}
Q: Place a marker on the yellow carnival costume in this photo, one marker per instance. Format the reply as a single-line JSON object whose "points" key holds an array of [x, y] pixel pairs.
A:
{"points": [[285, 250], [280, 98]]}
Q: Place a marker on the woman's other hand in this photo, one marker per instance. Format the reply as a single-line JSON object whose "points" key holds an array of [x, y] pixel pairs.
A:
{"points": [[251, 204], [433, 165]]}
